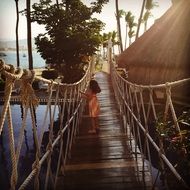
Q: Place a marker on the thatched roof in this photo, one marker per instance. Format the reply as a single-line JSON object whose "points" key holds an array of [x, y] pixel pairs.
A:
{"points": [[162, 53]]}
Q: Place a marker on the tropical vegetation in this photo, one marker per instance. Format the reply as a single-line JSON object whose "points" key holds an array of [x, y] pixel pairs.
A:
{"points": [[176, 144], [71, 34]]}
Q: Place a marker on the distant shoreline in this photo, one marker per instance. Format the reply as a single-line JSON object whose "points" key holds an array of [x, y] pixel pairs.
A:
{"points": [[10, 57], [14, 49]]}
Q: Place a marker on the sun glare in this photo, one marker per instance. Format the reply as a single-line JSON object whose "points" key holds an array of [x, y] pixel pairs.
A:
{"points": [[8, 16]]}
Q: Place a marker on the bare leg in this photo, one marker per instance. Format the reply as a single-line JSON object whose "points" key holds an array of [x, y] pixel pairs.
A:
{"points": [[93, 123], [96, 122], [93, 128], [97, 125]]}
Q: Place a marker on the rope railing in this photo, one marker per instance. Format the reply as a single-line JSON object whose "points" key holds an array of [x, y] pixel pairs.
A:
{"points": [[141, 111], [62, 101]]}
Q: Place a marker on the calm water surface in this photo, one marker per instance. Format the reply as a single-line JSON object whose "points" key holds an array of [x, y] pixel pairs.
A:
{"points": [[10, 58], [28, 149]]}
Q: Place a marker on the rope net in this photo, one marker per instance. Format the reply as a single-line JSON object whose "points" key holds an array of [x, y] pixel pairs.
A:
{"points": [[43, 130], [158, 124]]}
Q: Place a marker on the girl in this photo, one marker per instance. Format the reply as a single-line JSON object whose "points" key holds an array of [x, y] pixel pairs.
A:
{"points": [[93, 104]]}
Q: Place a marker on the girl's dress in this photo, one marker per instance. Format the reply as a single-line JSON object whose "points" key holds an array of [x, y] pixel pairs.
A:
{"points": [[94, 108]]}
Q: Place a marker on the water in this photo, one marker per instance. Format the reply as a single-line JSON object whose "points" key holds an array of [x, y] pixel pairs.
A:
{"points": [[27, 155], [10, 58]]}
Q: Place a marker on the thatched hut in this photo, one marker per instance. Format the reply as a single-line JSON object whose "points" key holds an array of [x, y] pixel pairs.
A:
{"points": [[162, 53]]}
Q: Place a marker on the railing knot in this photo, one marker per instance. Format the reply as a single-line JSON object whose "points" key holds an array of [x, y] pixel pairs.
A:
{"points": [[168, 89], [27, 92]]}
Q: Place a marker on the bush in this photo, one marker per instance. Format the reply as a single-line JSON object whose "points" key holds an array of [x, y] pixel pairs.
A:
{"points": [[50, 74]]}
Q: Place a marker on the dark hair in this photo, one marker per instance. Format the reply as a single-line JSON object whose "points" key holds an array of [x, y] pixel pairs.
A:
{"points": [[94, 86]]}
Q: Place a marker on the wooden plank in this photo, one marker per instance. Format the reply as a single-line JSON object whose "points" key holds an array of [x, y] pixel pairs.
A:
{"points": [[102, 165], [104, 160]]}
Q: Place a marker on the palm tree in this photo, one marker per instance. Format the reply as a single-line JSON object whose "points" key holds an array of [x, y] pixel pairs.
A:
{"points": [[131, 33], [17, 41], [118, 16], [149, 6], [127, 20], [145, 19], [29, 35], [57, 3], [105, 37], [114, 42], [127, 17], [130, 23], [140, 19], [104, 43]]}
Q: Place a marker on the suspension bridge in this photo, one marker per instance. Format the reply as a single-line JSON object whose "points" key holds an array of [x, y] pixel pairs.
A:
{"points": [[64, 155]]}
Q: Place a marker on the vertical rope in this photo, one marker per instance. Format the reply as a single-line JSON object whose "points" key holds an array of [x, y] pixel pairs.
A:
{"points": [[29, 101], [64, 93], [68, 124], [11, 76], [73, 123], [21, 133], [168, 93], [49, 146], [147, 146], [46, 113], [14, 174], [36, 164], [10, 79]]}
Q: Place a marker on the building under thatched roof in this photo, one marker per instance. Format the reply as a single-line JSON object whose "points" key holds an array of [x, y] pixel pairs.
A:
{"points": [[162, 53]]}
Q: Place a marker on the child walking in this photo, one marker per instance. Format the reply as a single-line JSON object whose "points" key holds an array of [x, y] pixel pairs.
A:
{"points": [[93, 104]]}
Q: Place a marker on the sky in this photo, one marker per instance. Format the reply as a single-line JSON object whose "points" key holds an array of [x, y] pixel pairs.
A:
{"points": [[8, 16]]}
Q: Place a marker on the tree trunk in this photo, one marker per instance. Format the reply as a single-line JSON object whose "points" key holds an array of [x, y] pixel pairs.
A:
{"points": [[129, 41], [145, 26], [126, 37], [140, 19], [17, 40], [118, 25], [57, 3], [29, 35]]}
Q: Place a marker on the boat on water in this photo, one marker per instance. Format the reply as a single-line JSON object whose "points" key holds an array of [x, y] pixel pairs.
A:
{"points": [[23, 55]]}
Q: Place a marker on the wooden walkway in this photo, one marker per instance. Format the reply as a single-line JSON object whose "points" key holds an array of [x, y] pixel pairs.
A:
{"points": [[103, 161]]}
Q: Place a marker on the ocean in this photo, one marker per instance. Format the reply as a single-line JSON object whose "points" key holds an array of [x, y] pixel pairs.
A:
{"points": [[10, 58]]}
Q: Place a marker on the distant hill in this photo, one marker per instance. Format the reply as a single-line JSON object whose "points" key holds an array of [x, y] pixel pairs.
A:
{"points": [[12, 44]]}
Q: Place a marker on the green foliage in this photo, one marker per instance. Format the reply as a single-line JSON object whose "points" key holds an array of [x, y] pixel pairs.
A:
{"points": [[146, 16], [150, 4], [50, 74], [106, 36], [177, 143], [130, 20], [71, 33], [121, 13]]}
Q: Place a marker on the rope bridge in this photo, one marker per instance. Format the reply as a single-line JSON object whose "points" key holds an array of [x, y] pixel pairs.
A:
{"points": [[146, 110], [142, 108], [69, 105]]}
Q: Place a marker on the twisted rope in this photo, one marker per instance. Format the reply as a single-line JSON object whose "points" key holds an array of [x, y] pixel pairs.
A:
{"points": [[26, 91], [46, 112], [134, 116], [49, 146], [11, 75], [14, 174], [29, 100], [36, 164]]}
